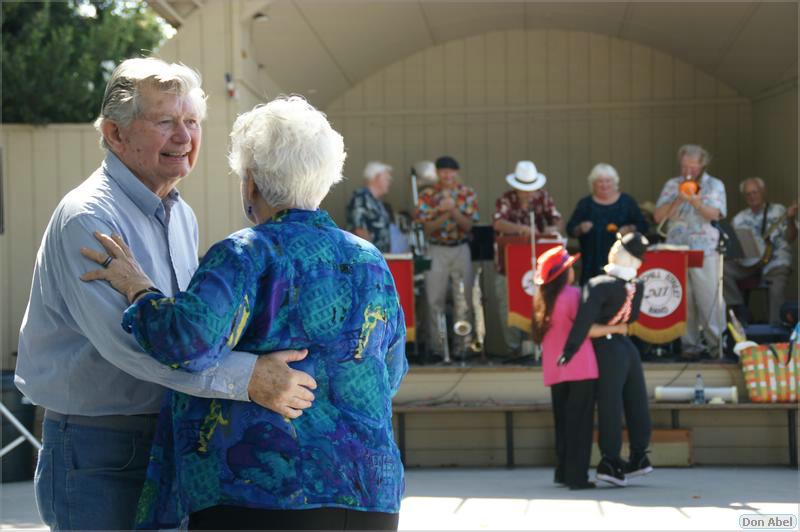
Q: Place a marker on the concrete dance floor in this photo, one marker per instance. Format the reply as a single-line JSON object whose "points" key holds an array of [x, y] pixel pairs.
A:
{"points": [[701, 498]]}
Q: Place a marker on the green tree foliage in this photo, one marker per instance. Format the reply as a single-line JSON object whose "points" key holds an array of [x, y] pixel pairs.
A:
{"points": [[56, 59]]}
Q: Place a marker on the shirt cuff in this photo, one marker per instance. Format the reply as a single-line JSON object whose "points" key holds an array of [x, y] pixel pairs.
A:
{"points": [[232, 376]]}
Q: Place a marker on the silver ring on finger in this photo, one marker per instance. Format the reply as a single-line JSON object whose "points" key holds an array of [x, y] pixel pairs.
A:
{"points": [[107, 261]]}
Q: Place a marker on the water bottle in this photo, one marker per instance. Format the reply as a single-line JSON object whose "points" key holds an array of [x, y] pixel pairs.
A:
{"points": [[699, 391]]}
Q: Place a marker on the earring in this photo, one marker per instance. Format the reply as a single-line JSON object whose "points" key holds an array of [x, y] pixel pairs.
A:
{"points": [[250, 210]]}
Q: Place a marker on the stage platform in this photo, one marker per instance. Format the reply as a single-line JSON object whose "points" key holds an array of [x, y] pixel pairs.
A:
{"points": [[477, 436]]}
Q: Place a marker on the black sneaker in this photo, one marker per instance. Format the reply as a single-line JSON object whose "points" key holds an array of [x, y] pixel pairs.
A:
{"points": [[638, 465], [582, 486], [611, 471]]}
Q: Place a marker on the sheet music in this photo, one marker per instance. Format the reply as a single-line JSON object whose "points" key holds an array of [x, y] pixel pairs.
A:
{"points": [[751, 248]]}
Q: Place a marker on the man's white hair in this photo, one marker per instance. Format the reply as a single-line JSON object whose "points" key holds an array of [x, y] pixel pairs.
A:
{"points": [[757, 180], [374, 168], [603, 169], [122, 98], [290, 150], [694, 151]]}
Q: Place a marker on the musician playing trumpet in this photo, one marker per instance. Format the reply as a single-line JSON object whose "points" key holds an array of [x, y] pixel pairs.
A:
{"points": [[690, 203], [447, 211], [774, 228]]}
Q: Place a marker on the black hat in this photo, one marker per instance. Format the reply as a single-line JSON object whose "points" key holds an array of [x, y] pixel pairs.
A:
{"points": [[445, 161], [635, 244]]}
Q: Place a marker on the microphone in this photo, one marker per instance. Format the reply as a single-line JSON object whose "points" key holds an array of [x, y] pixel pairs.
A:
{"points": [[722, 234], [724, 239]]}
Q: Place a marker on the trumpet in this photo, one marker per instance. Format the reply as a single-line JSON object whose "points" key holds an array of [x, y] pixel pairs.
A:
{"points": [[689, 186]]}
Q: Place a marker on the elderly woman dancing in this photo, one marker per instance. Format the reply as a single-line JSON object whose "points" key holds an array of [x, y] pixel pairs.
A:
{"points": [[293, 280]]}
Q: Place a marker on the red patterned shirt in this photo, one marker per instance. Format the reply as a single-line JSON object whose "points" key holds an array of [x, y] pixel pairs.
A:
{"points": [[508, 207], [449, 232]]}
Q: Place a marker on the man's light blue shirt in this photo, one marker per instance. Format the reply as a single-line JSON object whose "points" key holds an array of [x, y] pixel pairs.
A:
{"points": [[688, 227], [74, 357]]}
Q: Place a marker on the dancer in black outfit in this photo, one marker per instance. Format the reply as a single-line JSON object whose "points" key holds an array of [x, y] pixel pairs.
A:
{"points": [[611, 299]]}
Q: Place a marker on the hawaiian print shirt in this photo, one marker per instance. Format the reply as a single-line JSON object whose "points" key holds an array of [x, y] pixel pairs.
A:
{"points": [[782, 253], [466, 201], [365, 211], [688, 227], [294, 282], [509, 207]]}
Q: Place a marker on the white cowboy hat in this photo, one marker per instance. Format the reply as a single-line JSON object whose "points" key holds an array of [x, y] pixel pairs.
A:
{"points": [[526, 177]]}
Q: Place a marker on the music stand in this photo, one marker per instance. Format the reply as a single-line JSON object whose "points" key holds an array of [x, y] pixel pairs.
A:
{"points": [[481, 243], [733, 246]]}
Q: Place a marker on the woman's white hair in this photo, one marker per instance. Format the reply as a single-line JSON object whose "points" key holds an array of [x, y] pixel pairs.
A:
{"points": [[603, 169], [619, 255], [694, 151], [290, 150], [122, 98]]}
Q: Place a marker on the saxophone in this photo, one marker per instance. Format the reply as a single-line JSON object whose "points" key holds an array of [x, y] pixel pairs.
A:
{"points": [[441, 326], [462, 327], [480, 321]]}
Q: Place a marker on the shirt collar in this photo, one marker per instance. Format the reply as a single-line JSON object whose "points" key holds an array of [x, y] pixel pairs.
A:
{"points": [[144, 198], [318, 217], [625, 273]]}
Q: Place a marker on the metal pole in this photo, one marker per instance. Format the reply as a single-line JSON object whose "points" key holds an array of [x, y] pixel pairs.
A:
{"points": [[720, 301], [20, 427], [533, 270]]}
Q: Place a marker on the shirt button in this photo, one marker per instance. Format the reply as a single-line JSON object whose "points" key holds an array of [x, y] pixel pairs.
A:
{"points": [[230, 386]]}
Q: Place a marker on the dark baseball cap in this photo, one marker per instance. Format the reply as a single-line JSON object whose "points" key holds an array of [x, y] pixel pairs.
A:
{"points": [[445, 161]]}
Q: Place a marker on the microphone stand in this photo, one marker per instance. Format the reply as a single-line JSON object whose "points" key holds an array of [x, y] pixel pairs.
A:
{"points": [[537, 353], [722, 248]]}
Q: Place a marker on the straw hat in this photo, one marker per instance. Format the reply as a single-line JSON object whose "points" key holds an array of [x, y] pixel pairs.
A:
{"points": [[526, 177]]}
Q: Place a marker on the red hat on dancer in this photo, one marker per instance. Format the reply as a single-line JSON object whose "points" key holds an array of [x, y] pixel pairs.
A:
{"points": [[553, 263]]}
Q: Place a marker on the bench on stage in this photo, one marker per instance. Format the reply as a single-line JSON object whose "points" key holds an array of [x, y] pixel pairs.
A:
{"points": [[510, 409]]}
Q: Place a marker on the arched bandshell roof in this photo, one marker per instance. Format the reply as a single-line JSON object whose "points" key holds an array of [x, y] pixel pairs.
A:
{"points": [[323, 47]]}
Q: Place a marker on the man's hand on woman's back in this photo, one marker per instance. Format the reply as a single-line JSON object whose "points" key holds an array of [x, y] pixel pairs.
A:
{"points": [[278, 387]]}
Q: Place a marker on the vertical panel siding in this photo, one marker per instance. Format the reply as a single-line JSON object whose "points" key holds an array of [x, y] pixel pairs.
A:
{"points": [[565, 99], [41, 164]]}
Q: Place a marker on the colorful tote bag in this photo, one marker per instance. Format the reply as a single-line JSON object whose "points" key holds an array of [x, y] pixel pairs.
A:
{"points": [[771, 372]]}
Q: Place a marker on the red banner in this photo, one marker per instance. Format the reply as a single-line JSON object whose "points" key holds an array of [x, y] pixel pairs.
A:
{"points": [[402, 268], [519, 281], [662, 316]]}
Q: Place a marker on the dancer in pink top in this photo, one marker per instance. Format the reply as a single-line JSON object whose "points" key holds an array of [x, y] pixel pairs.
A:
{"points": [[572, 386]]}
